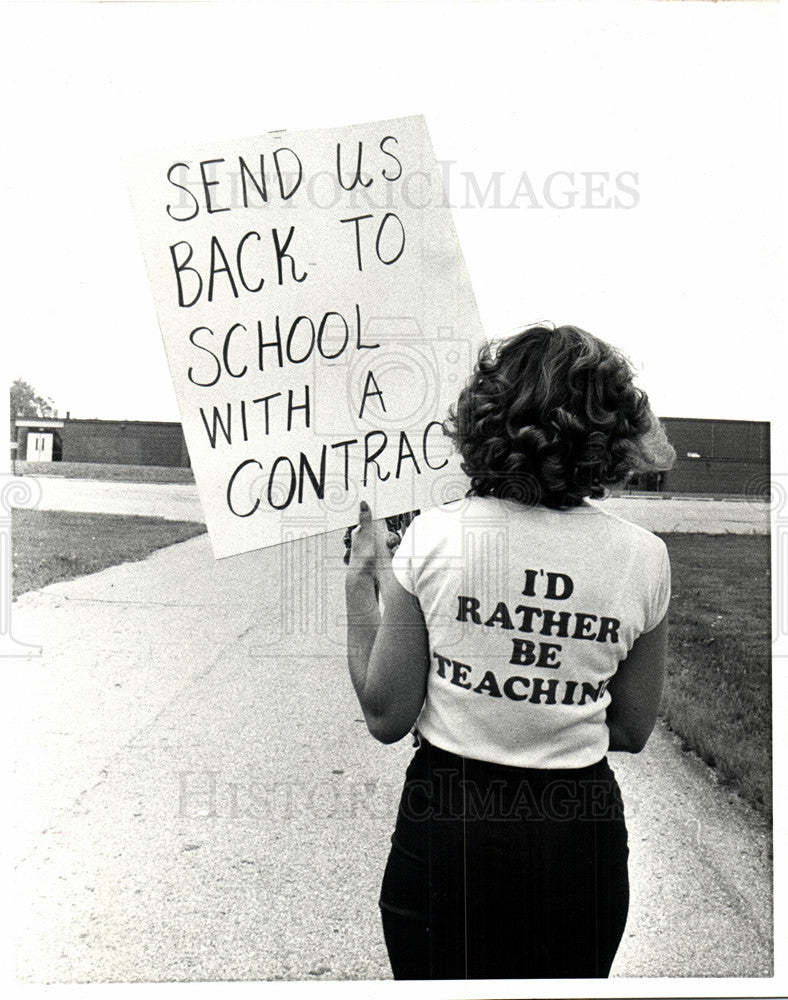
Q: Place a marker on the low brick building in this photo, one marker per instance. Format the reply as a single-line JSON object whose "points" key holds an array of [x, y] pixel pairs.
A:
{"points": [[717, 457], [714, 457], [114, 442]]}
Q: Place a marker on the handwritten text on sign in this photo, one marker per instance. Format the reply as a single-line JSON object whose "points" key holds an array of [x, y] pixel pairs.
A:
{"points": [[318, 321]]}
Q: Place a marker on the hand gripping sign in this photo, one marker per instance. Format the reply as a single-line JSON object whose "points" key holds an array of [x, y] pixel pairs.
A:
{"points": [[318, 321]]}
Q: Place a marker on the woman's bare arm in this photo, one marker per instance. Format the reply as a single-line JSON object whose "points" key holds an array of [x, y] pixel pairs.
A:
{"points": [[388, 654], [636, 691]]}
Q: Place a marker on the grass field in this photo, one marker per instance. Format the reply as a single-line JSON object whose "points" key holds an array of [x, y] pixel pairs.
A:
{"points": [[49, 545], [718, 691]]}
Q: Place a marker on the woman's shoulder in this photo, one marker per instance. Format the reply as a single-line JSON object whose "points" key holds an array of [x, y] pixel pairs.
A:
{"points": [[590, 518], [633, 536], [623, 524], [435, 520], [464, 509], [441, 528]]}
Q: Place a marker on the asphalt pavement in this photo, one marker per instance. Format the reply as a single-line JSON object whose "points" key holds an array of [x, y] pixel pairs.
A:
{"points": [[179, 501], [197, 799]]}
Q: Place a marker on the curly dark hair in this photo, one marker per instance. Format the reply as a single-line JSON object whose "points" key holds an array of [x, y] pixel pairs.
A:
{"points": [[551, 416]]}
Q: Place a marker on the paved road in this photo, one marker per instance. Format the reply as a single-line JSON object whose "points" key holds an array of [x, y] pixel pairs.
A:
{"points": [[197, 799], [178, 501], [173, 501]]}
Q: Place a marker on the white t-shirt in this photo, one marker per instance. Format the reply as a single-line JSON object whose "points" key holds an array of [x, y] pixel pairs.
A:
{"points": [[529, 612]]}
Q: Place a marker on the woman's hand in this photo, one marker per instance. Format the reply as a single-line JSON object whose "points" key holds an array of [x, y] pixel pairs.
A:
{"points": [[371, 544]]}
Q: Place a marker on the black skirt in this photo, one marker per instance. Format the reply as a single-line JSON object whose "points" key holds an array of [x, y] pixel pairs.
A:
{"points": [[499, 872]]}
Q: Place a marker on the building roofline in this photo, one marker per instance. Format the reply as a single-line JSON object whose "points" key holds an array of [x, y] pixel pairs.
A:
{"points": [[715, 420], [38, 422], [136, 423]]}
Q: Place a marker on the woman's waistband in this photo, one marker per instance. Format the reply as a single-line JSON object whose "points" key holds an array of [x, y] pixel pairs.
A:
{"points": [[441, 785], [428, 755]]}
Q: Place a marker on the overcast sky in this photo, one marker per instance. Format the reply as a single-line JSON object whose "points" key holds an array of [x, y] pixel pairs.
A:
{"points": [[676, 103]]}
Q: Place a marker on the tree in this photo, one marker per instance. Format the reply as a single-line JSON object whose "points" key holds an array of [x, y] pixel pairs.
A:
{"points": [[25, 402]]}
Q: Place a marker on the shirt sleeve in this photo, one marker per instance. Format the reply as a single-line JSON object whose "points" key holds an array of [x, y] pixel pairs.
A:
{"points": [[402, 562], [660, 598]]}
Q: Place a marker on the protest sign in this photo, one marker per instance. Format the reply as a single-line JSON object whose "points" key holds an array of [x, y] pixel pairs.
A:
{"points": [[318, 321]]}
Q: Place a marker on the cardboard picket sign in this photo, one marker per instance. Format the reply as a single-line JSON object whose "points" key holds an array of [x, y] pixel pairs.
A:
{"points": [[318, 321]]}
